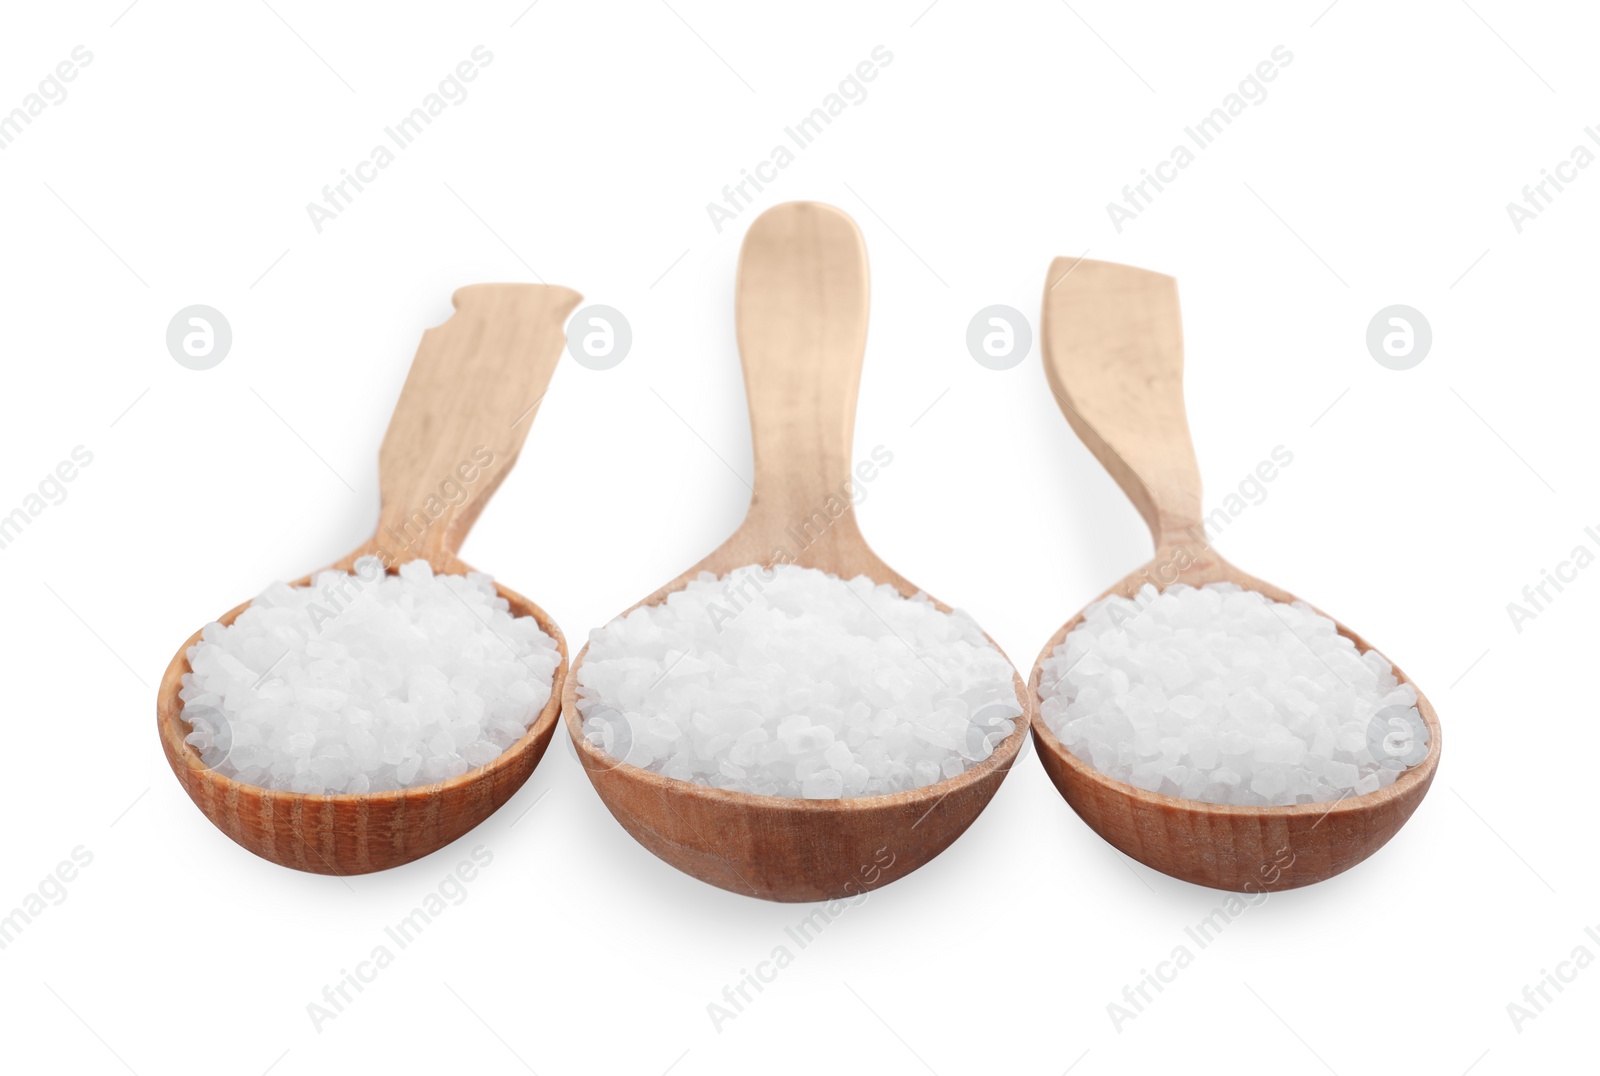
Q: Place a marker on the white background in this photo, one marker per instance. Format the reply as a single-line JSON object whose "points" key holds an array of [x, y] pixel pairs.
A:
{"points": [[1418, 505]]}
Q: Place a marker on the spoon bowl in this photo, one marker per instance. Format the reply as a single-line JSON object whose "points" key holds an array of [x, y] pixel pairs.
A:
{"points": [[1113, 351], [802, 299], [469, 397]]}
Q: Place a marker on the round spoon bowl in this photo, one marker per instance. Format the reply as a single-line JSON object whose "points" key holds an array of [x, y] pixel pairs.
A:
{"points": [[1228, 846], [354, 833], [787, 848]]}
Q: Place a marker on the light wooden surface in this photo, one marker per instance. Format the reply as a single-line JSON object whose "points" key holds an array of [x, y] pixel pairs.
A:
{"points": [[471, 394], [1113, 353], [801, 304]]}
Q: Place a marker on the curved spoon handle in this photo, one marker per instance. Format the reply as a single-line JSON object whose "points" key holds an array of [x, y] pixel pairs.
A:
{"points": [[801, 307], [464, 413], [1113, 353]]}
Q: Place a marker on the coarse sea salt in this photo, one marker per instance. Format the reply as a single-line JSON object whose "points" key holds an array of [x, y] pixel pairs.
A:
{"points": [[366, 681], [787, 681], [1221, 694]]}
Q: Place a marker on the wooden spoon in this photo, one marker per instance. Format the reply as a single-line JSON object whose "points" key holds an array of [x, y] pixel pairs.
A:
{"points": [[1113, 353], [802, 327], [465, 410]]}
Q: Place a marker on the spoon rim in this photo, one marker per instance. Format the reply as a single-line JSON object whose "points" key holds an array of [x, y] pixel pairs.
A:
{"points": [[174, 729], [1420, 773]]}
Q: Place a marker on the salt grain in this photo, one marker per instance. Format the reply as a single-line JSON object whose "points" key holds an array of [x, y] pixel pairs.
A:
{"points": [[791, 682], [366, 682], [1222, 695]]}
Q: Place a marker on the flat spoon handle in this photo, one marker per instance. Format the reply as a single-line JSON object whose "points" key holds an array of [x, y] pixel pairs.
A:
{"points": [[801, 307], [464, 413], [1113, 353]]}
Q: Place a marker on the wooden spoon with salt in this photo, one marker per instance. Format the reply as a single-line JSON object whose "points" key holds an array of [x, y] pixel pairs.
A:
{"points": [[465, 410], [801, 301], [1113, 353]]}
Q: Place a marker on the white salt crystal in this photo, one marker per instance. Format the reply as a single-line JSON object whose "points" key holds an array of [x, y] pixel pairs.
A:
{"points": [[366, 682], [1269, 783], [791, 682], [1219, 694], [823, 785]]}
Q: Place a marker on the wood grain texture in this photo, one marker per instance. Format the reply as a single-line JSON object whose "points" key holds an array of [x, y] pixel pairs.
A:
{"points": [[1113, 353], [471, 394], [801, 304]]}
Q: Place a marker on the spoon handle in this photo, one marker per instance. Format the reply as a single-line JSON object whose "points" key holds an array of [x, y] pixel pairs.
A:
{"points": [[801, 306], [1113, 354], [464, 413]]}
